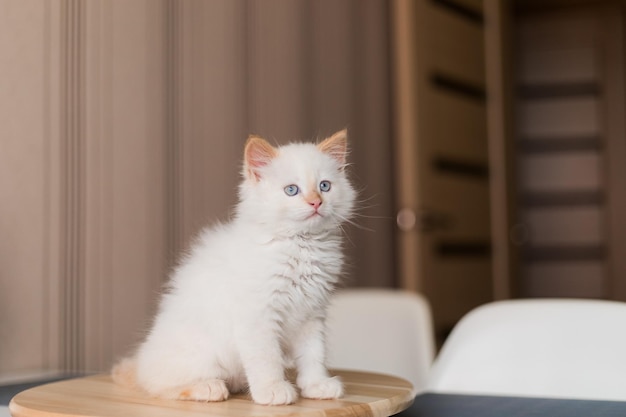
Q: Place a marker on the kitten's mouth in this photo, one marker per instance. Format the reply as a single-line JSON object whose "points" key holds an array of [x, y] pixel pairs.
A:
{"points": [[314, 214]]}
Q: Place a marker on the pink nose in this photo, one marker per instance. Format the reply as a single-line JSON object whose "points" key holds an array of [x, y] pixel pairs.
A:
{"points": [[316, 203]]}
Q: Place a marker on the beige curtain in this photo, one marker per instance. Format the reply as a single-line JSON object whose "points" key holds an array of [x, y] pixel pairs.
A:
{"points": [[121, 128]]}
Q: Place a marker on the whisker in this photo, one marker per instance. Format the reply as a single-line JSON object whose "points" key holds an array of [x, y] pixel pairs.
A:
{"points": [[353, 223], [347, 236], [367, 216]]}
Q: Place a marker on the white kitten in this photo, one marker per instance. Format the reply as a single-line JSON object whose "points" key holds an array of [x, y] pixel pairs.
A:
{"points": [[250, 298]]}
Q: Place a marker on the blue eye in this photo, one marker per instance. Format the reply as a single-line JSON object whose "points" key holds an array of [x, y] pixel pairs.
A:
{"points": [[291, 190], [325, 186]]}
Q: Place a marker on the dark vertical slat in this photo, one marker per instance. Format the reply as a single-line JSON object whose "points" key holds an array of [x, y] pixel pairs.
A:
{"points": [[72, 126], [560, 144], [565, 253], [173, 144], [461, 167], [472, 249], [461, 10], [460, 87], [563, 198], [559, 90]]}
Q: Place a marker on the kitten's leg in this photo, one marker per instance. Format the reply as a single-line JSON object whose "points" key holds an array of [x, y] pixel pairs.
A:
{"points": [[171, 370], [263, 362], [310, 353]]}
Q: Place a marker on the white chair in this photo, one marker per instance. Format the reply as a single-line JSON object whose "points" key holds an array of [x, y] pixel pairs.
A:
{"points": [[559, 348], [381, 330]]}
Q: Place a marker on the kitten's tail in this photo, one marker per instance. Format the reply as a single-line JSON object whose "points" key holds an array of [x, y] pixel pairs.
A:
{"points": [[124, 372]]}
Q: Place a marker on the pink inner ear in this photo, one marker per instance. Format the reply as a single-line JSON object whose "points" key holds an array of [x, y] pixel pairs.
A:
{"points": [[336, 146], [258, 153]]}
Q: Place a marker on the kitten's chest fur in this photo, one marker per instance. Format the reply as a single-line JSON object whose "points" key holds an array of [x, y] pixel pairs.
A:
{"points": [[306, 271]]}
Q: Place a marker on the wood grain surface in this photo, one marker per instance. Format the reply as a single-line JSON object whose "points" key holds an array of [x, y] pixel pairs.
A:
{"points": [[367, 395]]}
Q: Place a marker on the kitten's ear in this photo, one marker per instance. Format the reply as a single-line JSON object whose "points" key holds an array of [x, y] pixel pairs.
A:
{"points": [[257, 154], [336, 146]]}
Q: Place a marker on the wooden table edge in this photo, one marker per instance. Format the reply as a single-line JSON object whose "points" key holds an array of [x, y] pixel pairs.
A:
{"points": [[368, 394]]}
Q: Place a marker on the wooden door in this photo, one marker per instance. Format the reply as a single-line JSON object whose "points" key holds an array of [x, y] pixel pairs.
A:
{"points": [[442, 155], [571, 149]]}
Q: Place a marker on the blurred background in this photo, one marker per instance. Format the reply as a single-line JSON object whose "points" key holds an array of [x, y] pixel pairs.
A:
{"points": [[487, 142]]}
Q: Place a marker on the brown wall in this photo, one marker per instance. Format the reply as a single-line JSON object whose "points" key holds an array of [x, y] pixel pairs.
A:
{"points": [[121, 128]]}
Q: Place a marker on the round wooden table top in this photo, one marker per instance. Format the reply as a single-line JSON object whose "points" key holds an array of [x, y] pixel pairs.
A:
{"points": [[366, 394]]}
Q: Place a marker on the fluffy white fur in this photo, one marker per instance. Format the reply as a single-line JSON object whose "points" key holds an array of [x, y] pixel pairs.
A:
{"points": [[250, 298]]}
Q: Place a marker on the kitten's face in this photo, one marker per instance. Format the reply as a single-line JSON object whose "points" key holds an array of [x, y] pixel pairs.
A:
{"points": [[299, 187]]}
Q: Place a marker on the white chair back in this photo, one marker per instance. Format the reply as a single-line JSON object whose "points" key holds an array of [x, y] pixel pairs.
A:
{"points": [[558, 348], [381, 330]]}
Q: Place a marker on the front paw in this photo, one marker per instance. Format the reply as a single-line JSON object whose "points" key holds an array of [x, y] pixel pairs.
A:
{"points": [[276, 393], [325, 389]]}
